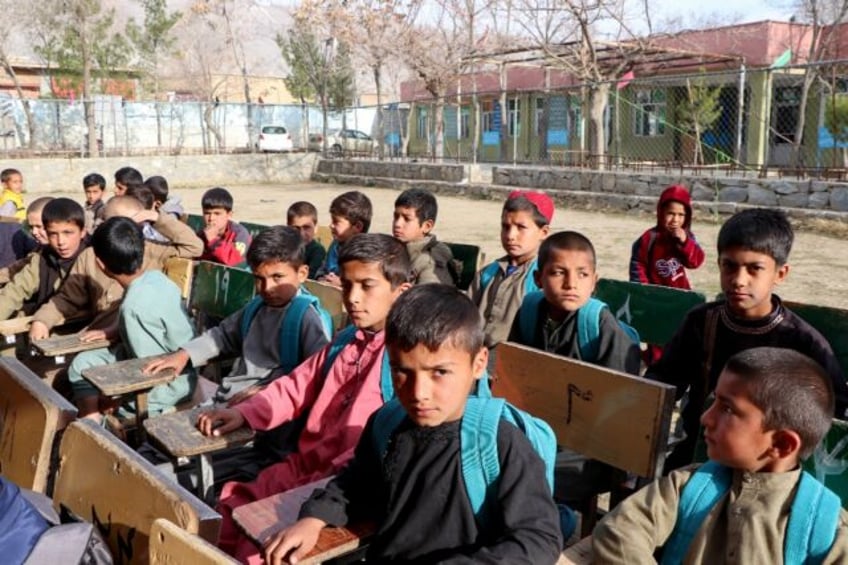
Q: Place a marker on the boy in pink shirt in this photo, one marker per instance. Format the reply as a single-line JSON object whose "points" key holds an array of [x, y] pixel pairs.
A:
{"points": [[339, 398]]}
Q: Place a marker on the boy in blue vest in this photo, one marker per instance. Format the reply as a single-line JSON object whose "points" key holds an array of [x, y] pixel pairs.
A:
{"points": [[751, 503], [350, 214], [499, 287], [412, 484]]}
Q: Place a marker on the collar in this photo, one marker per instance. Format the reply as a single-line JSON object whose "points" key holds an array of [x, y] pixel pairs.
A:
{"points": [[754, 327], [420, 245]]}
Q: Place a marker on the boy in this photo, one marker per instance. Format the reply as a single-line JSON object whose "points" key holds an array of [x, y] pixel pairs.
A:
{"points": [[144, 195], [87, 293], [11, 200], [772, 407], [16, 243], [337, 399], [414, 218], [168, 203], [753, 250], [151, 319], [350, 214], [499, 287], [45, 271], [224, 241], [126, 177], [413, 491], [94, 186], [304, 217]]}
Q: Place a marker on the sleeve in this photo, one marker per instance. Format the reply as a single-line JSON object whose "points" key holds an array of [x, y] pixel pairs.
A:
{"points": [[682, 357], [839, 550], [150, 323], [475, 293], [530, 530], [640, 524], [8, 209], [312, 335], [230, 249], [425, 270], [616, 350], [184, 242], [638, 266], [72, 300], [223, 339], [690, 253], [21, 288]]}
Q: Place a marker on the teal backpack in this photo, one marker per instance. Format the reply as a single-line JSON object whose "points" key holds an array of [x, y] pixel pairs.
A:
{"points": [[343, 338], [588, 324], [812, 521], [487, 274], [290, 327]]}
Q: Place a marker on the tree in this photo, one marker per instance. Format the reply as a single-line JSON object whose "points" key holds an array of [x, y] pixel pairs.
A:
{"points": [[698, 112], [10, 26]]}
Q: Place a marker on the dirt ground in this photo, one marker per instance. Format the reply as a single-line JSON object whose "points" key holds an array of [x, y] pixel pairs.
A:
{"points": [[819, 263]]}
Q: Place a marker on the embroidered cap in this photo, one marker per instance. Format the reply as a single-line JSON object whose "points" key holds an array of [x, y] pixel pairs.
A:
{"points": [[541, 200]]}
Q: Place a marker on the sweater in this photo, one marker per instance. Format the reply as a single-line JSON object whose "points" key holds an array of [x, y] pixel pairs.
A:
{"points": [[228, 249]]}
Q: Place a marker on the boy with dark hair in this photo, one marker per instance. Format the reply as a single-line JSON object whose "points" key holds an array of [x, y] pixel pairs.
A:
{"points": [[751, 503], [164, 201], [144, 195], [94, 185], [126, 177], [303, 216], [224, 241], [16, 244], [44, 272], [11, 199], [414, 219], [350, 214], [499, 287], [151, 319], [337, 388], [412, 489], [753, 250]]}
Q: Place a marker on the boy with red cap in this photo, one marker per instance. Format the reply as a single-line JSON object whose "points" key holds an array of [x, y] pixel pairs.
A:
{"points": [[499, 287]]}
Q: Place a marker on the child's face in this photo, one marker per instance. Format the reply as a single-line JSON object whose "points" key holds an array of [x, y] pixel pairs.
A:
{"points": [[748, 279], [277, 282], [406, 227], [734, 430], [520, 236], [367, 293], [120, 189], [64, 238], [342, 229], [217, 219], [93, 194], [568, 280], [15, 183], [305, 225], [36, 226], [673, 215], [433, 386]]}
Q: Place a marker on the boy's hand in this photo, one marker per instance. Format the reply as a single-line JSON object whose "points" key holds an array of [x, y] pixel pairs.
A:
{"points": [[679, 234], [93, 335], [37, 331], [294, 543], [176, 361], [211, 233], [219, 421], [332, 279]]}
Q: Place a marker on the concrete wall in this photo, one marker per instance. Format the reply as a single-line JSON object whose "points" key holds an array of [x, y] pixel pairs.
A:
{"points": [[65, 175]]}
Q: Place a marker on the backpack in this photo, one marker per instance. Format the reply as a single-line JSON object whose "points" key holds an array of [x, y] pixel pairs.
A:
{"points": [[588, 324], [812, 526], [289, 343], [487, 274], [344, 337]]}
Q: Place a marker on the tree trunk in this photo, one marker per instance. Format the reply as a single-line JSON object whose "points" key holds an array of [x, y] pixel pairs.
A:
{"points": [[380, 135], [87, 101], [4, 62], [438, 130], [797, 154], [208, 118], [598, 96]]}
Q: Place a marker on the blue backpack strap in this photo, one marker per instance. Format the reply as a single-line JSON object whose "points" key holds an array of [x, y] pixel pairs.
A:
{"points": [[289, 344], [326, 318], [702, 492], [813, 521], [387, 388], [589, 329], [530, 280], [528, 315], [339, 342], [249, 313], [488, 273], [478, 442], [540, 435], [386, 420]]}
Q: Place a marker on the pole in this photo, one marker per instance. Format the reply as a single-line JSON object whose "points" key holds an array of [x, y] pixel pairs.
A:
{"points": [[515, 132], [740, 118], [617, 126]]}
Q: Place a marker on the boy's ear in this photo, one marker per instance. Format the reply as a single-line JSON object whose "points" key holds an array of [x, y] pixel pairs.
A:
{"points": [[400, 289], [427, 226], [358, 227], [546, 229], [302, 273], [782, 273], [786, 443], [480, 362]]}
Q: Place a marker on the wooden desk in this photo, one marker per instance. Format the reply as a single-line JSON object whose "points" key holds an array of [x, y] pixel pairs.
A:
{"points": [[59, 346]]}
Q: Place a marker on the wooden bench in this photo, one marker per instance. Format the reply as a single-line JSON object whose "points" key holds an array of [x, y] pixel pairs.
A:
{"points": [[32, 418], [180, 271], [103, 481], [471, 259], [172, 545], [60, 346], [253, 229], [195, 222], [218, 290], [331, 300]]}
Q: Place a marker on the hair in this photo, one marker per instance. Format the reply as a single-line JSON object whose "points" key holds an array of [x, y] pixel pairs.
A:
{"points": [[128, 176], [565, 241], [123, 205], [353, 206], [142, 194], [432, 315], [119, 244], [37, 205], [522, 204], [379, 248], [793, 391], [302, 208], [420, 200], [763, 230], [63, 210], [94, 179], [217, 198], [6, 174], [158, 185], [277, 243]]}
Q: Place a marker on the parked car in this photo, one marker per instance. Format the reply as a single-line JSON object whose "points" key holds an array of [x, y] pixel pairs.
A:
{"points": [[343, 141], [275, 138]]}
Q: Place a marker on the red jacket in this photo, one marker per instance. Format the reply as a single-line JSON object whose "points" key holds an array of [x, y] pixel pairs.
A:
{"points": [[229, 249]]}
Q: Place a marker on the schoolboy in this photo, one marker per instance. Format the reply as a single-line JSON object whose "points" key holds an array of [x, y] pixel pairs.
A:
{"points": [[753, 250], [151, 319], [45, 271], [126, 177], [163, 200], [414, 219], [16, 244], [350, 214], [224, 241], [303, 216], [413, 492], [772, 407], [144, 195], [338, 400], [89, 294], [94, 185], [499, 287], [35, 221], [11, 199]]}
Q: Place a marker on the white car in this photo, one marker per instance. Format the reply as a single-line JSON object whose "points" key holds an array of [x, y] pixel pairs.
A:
{"points": [[343, 141], [275, 138]]}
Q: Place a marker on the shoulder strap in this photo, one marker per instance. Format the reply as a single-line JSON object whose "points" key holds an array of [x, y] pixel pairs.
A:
{"points": [[386, 420], [813, 521], [701, 493], [387, 388], [289, 344], [528, 315], [478, 442], [530, 280], [540, 435], [248, 314], [344, 337], [488, 273], [589, 329]]}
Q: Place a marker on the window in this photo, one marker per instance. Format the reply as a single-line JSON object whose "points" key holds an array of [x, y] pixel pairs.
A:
{"points": [[649, 113], [423, 124], [487, 110], [787, 104], [538, 116], [514, 116]]}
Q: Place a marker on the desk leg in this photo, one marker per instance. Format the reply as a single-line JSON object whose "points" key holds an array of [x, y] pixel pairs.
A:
{"points": [[206, 478], [140, 415]]}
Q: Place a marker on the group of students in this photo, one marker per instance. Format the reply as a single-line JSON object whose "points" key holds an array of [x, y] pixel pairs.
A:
{"points": [[769, 381]]}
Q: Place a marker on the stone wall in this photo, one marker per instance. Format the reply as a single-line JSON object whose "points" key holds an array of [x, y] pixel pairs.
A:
{"points": [[390, 169]]}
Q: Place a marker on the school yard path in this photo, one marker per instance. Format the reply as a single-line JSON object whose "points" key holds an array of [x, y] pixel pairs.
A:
{"points": [[819, 263]]}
